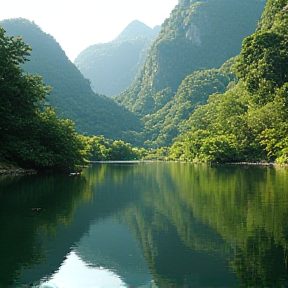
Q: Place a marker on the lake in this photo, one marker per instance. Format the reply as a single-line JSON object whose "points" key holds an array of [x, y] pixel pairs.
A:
{"points": [[146, 225]]}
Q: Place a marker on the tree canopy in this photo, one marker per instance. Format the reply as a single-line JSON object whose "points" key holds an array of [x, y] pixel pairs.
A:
{"points": [[72, 96], [31, 135], [248, 122]]}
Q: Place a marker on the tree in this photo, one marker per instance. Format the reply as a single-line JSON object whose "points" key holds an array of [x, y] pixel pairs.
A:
{"points": [[31, 136], [263, 64], [20, 93], [122, 151], [249, 121]]}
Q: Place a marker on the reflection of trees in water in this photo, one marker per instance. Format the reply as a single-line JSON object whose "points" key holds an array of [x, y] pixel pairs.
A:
{"points": [[57, 196], [260, 262], [171, 237], [235, 212], [247, 208], [189, 220]]}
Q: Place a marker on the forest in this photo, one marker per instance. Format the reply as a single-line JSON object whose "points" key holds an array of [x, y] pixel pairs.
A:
{"points": [[31, 134], [248, 122], [228, 104]]}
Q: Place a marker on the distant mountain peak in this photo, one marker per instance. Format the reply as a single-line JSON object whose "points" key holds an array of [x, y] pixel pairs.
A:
{"points": [[112, 67], [135, 29]]}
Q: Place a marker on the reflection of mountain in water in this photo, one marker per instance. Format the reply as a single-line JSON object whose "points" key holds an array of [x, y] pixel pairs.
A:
{"points": [[178, 249], [29, 245], [57, 244], [179, 224], [111, 245], [130, 229], [172, 262]]}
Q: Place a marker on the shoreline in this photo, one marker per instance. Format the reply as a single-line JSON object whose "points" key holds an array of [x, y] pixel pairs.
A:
{"points": [[6, 169]]}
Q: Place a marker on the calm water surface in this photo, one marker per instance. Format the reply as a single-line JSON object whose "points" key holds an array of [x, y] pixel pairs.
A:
{"points": [[146, 225]]}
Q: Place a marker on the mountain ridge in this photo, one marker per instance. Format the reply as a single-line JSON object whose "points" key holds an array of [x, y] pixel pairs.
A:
{"points": [[111, 67], [137, 29], [205, 39], [72, 96]]}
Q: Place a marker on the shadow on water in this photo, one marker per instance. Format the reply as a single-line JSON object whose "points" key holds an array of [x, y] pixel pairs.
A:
{"points": [[175, 224], [22, 226]]}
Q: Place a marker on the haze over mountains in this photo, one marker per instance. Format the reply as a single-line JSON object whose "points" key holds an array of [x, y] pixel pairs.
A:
{"points": [[185, 64], [199, 35], [111, 67], [72, 96]]}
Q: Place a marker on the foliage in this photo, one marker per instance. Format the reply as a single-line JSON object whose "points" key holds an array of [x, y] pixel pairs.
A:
{"points": [[72, 96], [248, 122], [101, 149], [233, 113], [30, 135], [195, 37], [167, 89], [263, 64], [166, 123]]}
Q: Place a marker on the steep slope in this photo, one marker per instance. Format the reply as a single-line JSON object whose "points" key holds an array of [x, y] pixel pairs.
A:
{"points": [[248, 122], [198, 35], [164, 125], [112, 67], [71, 95]]}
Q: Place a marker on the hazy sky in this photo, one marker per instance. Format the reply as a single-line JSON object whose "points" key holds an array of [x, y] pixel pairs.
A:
{"points": [[76, 24]]}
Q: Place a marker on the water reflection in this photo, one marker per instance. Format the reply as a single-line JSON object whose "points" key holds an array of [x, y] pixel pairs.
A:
{"points": [[170, 224], [22, 230], [74, 272], [100, 248]]}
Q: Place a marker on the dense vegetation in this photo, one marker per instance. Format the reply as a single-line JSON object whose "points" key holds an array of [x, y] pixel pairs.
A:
{"points": [[195, 37], [112, 67], [233, 113], [102, 149], [249, 121], [182, 69], [31, 135], [72, 96], [164, 125]]}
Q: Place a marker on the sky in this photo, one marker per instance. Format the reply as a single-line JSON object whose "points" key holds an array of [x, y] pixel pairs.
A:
{"points": [[77, 24]]}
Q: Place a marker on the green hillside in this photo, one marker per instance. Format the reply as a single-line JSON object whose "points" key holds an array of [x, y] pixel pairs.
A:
{"points": [[112, 67], [71, 96], [31, 136], [170, 120], [198, 90], [249, 121], [185, 65], [198, 35]]}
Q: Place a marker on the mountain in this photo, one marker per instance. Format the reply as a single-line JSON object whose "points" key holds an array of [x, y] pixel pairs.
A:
{"points": [[198, 35], [111, 67], [249, 121], [137, 29], [163, 126], [184, 66], [72, 96]]}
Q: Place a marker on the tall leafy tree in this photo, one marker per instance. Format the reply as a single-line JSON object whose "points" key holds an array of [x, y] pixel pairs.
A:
{"points": [[30, 135], [20, 93]]}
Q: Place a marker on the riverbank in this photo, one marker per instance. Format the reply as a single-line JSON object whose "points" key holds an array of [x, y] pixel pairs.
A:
{"points": [[10, 169]]}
